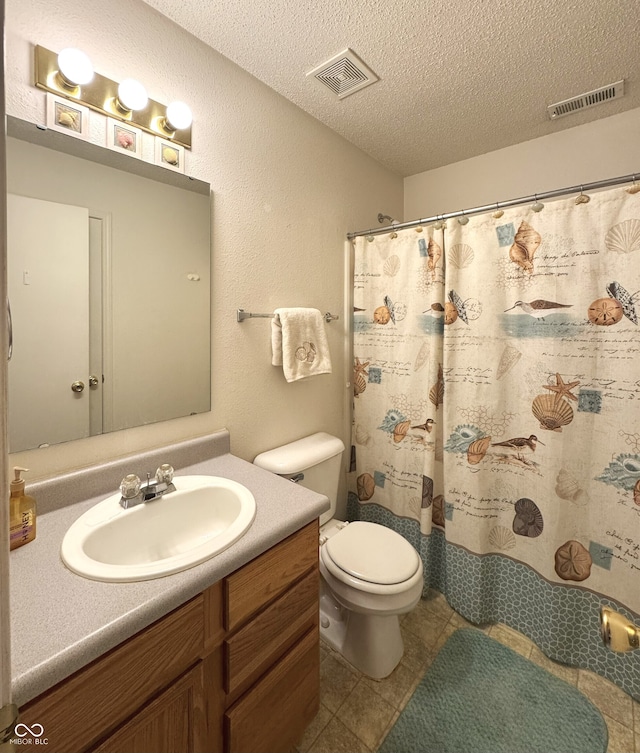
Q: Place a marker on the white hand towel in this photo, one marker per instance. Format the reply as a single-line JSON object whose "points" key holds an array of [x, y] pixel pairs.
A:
{"points": [[299, 343]]}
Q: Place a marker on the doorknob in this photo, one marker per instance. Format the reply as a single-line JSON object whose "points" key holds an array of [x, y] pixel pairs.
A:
{"points": [[93, 381], [77, 386]]}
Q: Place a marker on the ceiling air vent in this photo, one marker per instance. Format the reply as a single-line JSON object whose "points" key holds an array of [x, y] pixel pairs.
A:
{"points": [[344, 74], [590, 99]]}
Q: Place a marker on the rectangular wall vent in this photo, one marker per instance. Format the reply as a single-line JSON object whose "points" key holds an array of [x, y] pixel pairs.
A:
{"points": [[344, 74], [590, 99]]}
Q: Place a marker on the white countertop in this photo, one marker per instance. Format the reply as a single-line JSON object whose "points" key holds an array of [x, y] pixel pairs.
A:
{"points": [[61, 621]]}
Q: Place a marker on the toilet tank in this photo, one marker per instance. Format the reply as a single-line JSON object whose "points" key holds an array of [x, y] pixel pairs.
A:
{"points": [[318, 457]]}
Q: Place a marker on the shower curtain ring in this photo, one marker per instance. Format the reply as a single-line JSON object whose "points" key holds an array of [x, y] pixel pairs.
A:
{"points": [[498, 213], [464, 219], [538, 206], [634, 188], [582, 198]]}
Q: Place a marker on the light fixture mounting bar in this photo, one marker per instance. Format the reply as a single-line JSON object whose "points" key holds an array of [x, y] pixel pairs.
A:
{"points": [[100, 95]]}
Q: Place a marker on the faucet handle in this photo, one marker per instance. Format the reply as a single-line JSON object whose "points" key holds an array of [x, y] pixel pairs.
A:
{"points": [[130, 486], [164, 474]]}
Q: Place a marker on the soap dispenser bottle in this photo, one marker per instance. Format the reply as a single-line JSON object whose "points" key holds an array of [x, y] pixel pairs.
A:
{"points": [[22, 512]]}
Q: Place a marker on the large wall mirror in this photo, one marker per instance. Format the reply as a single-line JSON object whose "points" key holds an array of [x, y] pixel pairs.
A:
{"points": [[109, 289]]}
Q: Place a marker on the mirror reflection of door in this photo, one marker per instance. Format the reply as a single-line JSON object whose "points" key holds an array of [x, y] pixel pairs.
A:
{"points": [[151, 305], [48, 287], [100, 382]]}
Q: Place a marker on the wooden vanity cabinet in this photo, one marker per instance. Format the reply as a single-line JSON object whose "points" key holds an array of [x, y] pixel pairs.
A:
{"points": [[234, 670]]}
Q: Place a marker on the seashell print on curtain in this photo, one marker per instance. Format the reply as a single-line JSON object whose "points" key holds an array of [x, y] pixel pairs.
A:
{"points": [[501, 412], [398, 321]]}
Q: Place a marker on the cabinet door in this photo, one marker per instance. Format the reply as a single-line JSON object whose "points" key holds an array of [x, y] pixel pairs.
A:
{"points": [[111, 689], [173, 723]]}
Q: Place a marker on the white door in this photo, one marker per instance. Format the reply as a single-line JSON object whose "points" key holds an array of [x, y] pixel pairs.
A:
{"points": [[48, 288]]}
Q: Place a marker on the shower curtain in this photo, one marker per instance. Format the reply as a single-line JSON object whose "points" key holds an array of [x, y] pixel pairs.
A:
{"points": [[496, 414]]}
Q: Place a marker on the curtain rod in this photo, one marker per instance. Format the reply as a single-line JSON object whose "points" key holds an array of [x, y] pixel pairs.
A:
{"points": [[499, 205]]}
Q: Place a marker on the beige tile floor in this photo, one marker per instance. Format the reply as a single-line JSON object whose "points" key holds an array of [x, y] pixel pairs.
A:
{"points": [[356, 712]]}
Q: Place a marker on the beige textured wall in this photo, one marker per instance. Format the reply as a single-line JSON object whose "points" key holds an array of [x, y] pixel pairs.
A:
{"points": [[602, 149], [286, 190]]}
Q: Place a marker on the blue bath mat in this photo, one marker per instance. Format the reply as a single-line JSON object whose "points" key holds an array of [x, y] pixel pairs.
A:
{"points": [[479, 696]]}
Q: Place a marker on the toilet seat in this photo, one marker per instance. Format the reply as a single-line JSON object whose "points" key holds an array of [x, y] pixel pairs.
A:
{"points": [[372, 558]]}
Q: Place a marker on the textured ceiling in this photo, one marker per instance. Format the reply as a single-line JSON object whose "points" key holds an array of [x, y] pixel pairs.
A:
{"points": [[457, 78]]}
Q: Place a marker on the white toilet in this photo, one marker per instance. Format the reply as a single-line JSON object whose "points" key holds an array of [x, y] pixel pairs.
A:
{"points": [[370, 574]]}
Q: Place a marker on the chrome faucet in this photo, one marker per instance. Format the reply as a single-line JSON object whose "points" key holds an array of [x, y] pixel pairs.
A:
{"points": [[134, 493]]}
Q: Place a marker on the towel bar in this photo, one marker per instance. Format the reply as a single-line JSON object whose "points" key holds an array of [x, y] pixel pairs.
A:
{"points": [[241, 315]]}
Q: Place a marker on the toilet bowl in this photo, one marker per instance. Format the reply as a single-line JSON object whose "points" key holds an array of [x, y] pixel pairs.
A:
{"points": [[369, 573], [371, 576]]}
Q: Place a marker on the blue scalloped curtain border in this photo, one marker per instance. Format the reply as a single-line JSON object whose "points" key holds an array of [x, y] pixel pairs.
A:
{"points": [[562, 620]]}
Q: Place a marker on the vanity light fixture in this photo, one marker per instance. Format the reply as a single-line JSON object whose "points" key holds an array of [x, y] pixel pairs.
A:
{"points": [[74, 69], [178, 116], [70, 74], [132, 96]]}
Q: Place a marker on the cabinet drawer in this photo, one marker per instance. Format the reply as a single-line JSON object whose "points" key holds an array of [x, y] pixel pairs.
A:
{"points": [[265, 639], [273, 715], [256, 584], [83, 708]]}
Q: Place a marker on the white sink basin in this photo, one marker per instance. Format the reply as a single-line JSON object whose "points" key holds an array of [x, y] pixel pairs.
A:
{"points": [[204, 516]]}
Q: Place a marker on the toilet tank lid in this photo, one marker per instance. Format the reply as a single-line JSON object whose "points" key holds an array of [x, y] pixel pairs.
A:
{"points": [[301, 454]]}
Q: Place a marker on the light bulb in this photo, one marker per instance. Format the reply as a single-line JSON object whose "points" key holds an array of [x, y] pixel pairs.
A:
{"points": [[178, 116], [74, 67], [132, 95]]}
